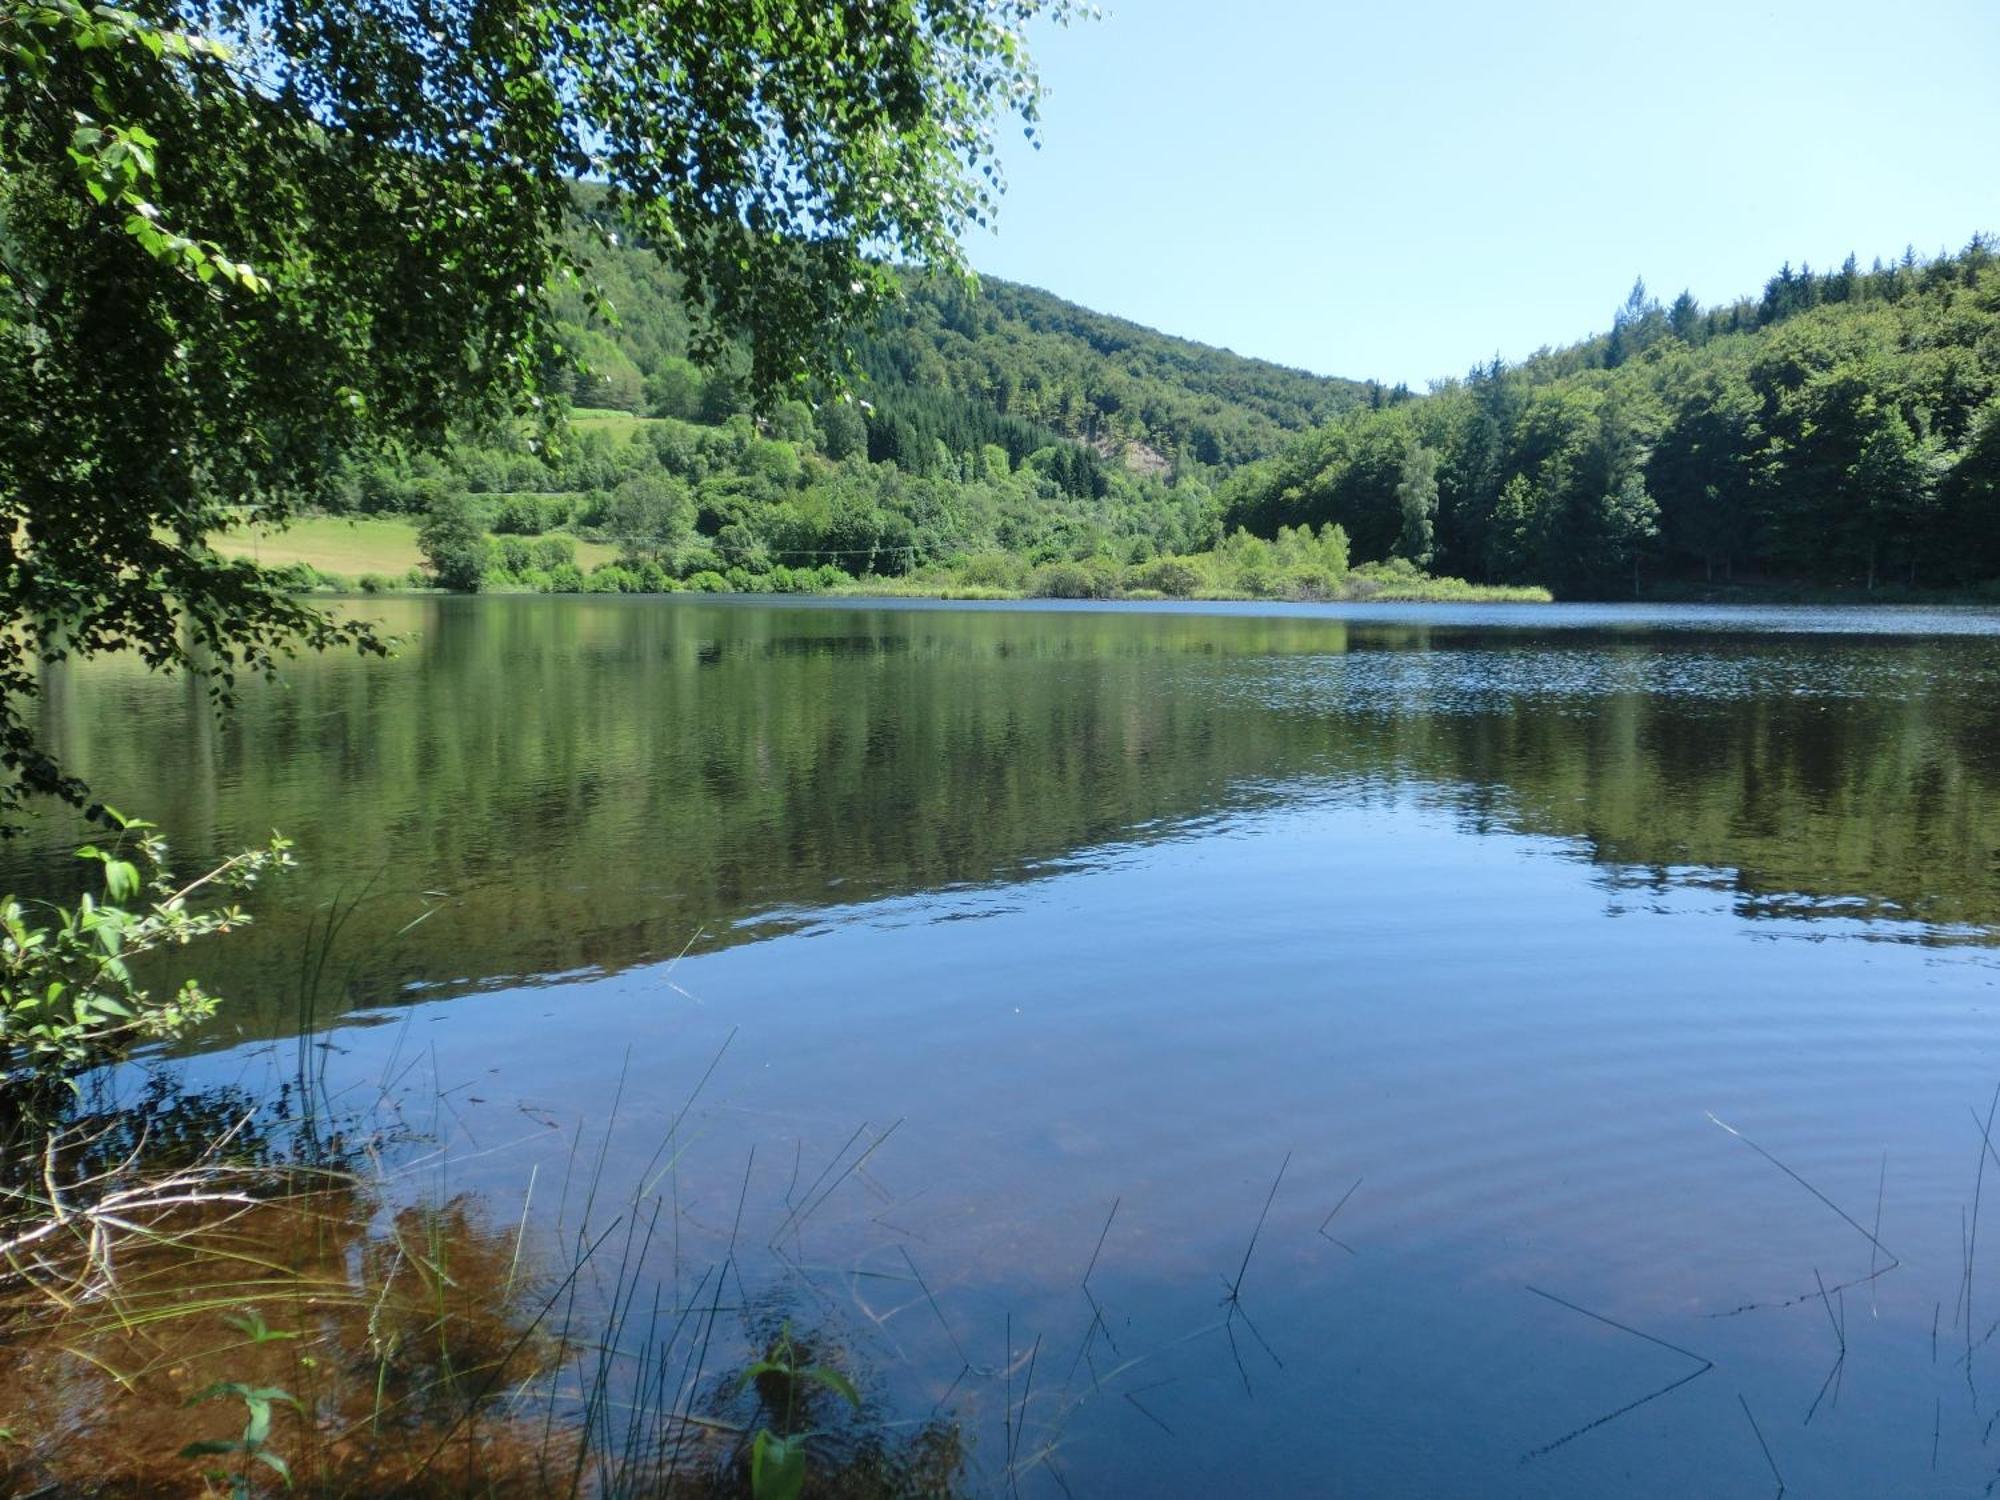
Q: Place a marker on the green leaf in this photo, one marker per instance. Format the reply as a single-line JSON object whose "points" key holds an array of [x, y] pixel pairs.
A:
{"points": [[777, 1466], [283, 1469], [121, 879]]}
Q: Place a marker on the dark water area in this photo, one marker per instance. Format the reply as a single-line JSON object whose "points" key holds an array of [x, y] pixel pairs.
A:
{"points": [[1594, 985]]}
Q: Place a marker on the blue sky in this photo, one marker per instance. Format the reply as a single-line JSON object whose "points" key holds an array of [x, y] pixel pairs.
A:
{"points": [[1398, 190]]}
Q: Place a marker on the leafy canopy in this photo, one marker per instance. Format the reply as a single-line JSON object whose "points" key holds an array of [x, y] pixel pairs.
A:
{"points": [[239, 239]]}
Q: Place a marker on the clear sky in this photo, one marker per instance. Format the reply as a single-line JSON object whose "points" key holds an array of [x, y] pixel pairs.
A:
{"points": [[1396, 190]]}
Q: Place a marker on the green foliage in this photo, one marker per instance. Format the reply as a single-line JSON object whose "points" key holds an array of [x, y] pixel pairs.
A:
{"points": [[454, 542], [253, 1447], [1833, 431], [69, 999], [1095, 579], [785, 1381], [651, 515], [529, 515], [251, 252]]}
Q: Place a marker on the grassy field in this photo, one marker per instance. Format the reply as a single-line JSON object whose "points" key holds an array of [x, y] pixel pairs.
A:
{"points": [[332, 544], [351, 547], [619, 424]]}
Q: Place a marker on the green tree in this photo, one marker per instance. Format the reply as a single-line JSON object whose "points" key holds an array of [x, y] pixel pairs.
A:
{"points": [[652, 515], [243, 240], [1417, 494], [675, 390], [842, 429], [454, 543]]}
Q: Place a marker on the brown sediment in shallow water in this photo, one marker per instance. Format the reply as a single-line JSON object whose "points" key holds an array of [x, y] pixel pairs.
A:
{"points": [[407, 1346]]}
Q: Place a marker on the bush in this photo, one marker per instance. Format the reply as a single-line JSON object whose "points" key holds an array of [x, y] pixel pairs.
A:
{"points": [[1069, 580], [529, 515], [1173, 577], [708, 581], [564, 578], [697, 557], [454, 543], [513, 554], [551, 551], [376, 583], [996, 570], [68, 999], [611, 578]]}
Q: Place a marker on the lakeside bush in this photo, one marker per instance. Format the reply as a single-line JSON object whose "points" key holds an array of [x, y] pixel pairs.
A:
{"points": [[1095, 579]]}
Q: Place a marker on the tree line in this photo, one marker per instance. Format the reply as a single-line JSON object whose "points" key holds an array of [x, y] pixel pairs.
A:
{"points": [[1842, 428]]}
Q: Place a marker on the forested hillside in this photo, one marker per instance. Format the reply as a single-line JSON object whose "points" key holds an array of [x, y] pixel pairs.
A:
{"points": [[986, 431], [1841, 429], [969, 366]]}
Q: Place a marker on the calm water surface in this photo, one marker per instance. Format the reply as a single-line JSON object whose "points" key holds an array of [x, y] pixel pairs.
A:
{"points": [[1472, 923]]}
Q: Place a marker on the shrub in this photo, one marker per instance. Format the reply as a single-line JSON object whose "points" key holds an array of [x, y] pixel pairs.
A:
{"points": [[708, 581], [529, 515], [376, 583], [552, 551], [68, 998], [998, 570], [565, 578], [611, 578], [1069, 580], [513, 554], [1173, 577], [453, 542]]}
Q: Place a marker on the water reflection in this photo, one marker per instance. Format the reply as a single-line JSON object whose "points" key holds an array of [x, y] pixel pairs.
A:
{"points": [[580, 785]]}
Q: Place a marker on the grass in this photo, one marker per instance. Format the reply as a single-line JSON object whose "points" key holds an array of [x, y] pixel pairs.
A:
{"points": [[607, 420], [352, 546], [1418, 591], [333, 544]]}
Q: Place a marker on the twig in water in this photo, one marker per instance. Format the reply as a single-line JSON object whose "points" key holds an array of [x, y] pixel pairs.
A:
{"points": [[1625, 1410], [1881, 1181], [1631, 1406], [1101, 1236], [1845, 1217], [1007, 1378], [1229, 1332], [833, 1162], [1335, 1214], [1140, 1408], [1761, 1443], [1839, 1333], [1972, 1239], [964, 1359], [800, 1215], [1027, 1388], [1235, 1297]]}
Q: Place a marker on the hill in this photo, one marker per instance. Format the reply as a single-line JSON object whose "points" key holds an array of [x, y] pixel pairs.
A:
{"points": [[1842, 429], [972, 365]]}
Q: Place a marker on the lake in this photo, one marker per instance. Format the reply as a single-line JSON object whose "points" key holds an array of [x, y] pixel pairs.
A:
{"points": [[1197, 1050]]}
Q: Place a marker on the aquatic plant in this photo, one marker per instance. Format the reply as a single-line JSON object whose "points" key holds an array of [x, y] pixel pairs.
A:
{"points": [[69, 999]]}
